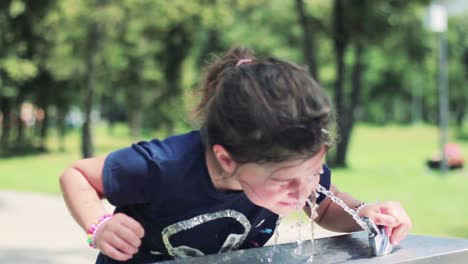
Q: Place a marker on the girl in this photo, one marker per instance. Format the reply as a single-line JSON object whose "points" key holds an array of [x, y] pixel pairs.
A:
{"points": [[258, 155]]}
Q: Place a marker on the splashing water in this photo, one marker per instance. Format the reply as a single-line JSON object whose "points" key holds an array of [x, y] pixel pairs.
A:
{"points": [[275, 240], [306, 249], [313, 214], [340, 202], [300, 241], [299, 250]]}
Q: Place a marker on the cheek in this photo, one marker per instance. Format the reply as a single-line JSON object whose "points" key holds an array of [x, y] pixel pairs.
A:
{"points": [[313, 186], [263, 196], [316, 182]]}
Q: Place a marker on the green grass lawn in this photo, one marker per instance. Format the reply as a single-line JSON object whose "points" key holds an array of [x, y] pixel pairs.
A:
{"points": [[39, 173], [385, 163], [388, 164]]}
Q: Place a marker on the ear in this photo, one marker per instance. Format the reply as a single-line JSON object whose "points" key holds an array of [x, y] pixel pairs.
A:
{"points": [[224, 159]]}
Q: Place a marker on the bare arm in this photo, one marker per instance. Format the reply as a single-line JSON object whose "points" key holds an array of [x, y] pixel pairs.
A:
{"points": [[332, 217], [389, 214], [82, 189]]}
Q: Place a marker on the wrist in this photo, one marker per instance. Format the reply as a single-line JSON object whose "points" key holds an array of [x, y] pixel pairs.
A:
{"points": [[357, 209], [92, 231]]}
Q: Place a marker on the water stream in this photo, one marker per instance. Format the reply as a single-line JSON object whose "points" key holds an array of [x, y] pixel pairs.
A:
{"points": [[340, 202], [301, 250]]}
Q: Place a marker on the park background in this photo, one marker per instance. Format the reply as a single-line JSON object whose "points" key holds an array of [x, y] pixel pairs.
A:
{"points": [[80, 78]]}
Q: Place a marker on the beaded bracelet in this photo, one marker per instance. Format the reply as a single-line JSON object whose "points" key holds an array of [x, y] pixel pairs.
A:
{"points": [[359, 207], [91, 233]]}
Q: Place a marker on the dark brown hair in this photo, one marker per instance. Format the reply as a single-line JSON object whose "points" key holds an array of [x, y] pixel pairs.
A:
{"points": [[264, 110]]}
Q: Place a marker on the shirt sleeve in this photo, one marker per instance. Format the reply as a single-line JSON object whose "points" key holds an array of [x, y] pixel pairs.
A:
{"points": [[325, 181], [130, 174]]}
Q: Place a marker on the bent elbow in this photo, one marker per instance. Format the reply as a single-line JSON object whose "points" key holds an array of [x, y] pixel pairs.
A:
{"points": [[64, 176]]}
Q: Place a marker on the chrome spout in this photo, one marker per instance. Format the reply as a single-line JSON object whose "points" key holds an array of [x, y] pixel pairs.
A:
{"points": [[378, 239]]}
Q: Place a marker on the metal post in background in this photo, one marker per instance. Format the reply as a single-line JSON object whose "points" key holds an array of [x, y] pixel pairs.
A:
{"points": [[438, 23], [443, 99]]}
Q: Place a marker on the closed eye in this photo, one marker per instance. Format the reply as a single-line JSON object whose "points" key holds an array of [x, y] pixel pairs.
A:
{"points": [[313, 175]]}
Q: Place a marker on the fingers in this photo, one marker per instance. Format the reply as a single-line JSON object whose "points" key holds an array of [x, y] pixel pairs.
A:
{"points": [[403, 228], [399, 233], [133, 225], [113, 253], [122, 245], [388, 231], [119, 237], [383, 219], [129, 236], [395, 219]]}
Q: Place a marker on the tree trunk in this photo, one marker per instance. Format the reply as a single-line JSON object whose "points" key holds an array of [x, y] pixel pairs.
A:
{"points": [[347, 111], [6, 107], [87, 147], [340, 43], [178, 43], [358, 70], [61, 114], [19, 123], [309, 48], [44, 129], [350, 113]]}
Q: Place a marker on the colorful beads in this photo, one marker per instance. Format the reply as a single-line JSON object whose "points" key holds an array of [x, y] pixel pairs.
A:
{"points": [[94, 228]]}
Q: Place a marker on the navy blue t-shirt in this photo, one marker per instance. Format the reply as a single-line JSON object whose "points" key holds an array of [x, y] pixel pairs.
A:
{"points": [[165, 186]]}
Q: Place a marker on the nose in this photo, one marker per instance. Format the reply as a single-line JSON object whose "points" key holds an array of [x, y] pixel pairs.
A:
{"points": [[300, 189]]}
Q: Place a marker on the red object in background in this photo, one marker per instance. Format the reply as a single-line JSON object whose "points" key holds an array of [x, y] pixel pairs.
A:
{"points": [[453, 155]]}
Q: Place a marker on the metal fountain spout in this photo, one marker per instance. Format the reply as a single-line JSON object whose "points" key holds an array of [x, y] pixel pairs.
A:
{"points": [[378, 239]]}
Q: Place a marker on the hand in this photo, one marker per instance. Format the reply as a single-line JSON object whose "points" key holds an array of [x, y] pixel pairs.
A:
{"points": [[119, 237], [391, 215]]}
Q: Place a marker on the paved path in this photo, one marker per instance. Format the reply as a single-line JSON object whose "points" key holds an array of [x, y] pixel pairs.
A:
{"points": [[37, 228]]}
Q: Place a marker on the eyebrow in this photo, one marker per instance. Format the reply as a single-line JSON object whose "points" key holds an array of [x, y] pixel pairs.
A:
{"points": [[290, 179], [285, 167]]}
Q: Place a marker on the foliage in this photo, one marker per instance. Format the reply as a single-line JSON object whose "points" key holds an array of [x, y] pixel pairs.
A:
{"points": [[152, 54]]}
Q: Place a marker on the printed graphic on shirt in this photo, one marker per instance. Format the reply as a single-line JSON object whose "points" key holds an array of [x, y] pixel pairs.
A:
{"points": [[232, 242]]}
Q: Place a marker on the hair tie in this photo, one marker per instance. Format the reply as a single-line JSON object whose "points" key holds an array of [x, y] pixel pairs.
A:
{"points": [[242, 61]]}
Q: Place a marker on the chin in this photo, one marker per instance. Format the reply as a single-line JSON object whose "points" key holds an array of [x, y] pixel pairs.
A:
{"points": [[283, 211]]}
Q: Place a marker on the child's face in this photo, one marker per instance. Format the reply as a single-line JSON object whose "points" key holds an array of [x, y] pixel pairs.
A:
{"points": [[281, 187]]}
